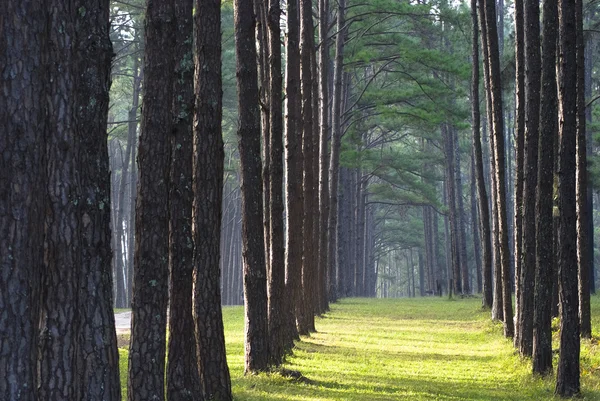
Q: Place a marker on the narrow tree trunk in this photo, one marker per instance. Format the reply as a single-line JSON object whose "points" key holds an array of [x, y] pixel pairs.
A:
{"points": [[524, 336], [583, 213], [567, 380], [545, 273], [293, 184]]}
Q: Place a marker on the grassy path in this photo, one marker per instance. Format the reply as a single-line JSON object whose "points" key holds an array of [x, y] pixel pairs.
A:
{"points": [[406, 349]]}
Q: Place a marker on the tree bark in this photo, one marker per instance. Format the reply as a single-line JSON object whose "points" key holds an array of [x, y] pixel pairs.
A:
{"points": [[567, 380], [253, 251], [23, 37], [294, 161], [584, 258], [494, 86], [545, 273], [183, 381], [276, 284], [146, 378], [208, 200], [532, 112], [519, 155]]}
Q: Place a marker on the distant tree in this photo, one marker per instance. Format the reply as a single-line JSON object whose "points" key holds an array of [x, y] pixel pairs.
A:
{"points": [[545, 269], [208, 199], [334, 162], [23, 39], [183, 382], [253, 245], [567, 381], [146, 379]]}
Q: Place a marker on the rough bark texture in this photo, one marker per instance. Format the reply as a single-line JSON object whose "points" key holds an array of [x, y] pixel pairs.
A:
{"points": [[545, 273], [97, 358], [22, 175], [293, 184], [567, 381], [532, 112], [146, 378], [584, 258], [208, 199], [62, 261], [276, 285], [255, 275], [183, 382]]}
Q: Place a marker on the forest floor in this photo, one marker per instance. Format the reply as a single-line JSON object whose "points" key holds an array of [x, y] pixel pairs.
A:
{"points": [[403, 349]]}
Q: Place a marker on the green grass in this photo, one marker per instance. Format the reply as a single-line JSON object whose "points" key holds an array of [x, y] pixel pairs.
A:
{"points": [[121, 310], [405, 349]]}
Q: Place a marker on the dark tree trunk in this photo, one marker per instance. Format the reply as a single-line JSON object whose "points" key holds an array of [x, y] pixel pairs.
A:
{"points": [[584, 258], [146, 378], [208, 199], [567, 381], [59, 340], [294, 161], [98, 358], [255, 275], [519, 133], [307, 324], [276, 284], [475, 227], [183, 382], [495, 88], [588, 60], [545, 273], [460, 214], [448, 134], [334, 162], [22, 175], [324, 125], [524, 327]]}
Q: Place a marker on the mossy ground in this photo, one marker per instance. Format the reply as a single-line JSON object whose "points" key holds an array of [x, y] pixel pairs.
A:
{"points": [[403, 349]]}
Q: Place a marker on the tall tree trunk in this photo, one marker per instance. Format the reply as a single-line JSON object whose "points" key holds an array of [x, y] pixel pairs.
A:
{"points": [[62, 261], [476, 230], [146, 377], [308, 269], [98, 366], [588, 61], [447, 134], [495, 88], [293, 184], [253, 251], [519, 133], [567, 381], [524, 327], [545, 273], [584, 259], [183, 382], [324, 125], [276, 284], [334, 162], [207, 208], [460, 214], [23, 41]]}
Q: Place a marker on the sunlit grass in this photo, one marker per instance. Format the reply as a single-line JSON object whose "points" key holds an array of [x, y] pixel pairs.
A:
{"points": [[406, 349]]}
